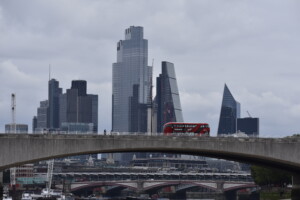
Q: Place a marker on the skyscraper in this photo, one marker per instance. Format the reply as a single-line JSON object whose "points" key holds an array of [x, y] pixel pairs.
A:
{"points": [[94, 111], [249, 126], [230, 111], [34, 123], [53, 97], [43, 116], [130, 73], [167, 97], [78, 107]]}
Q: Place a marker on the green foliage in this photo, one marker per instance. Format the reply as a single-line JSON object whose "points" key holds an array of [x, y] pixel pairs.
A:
{"points": [[6, 176], [295, 194], [266, 176], [274, 195]]}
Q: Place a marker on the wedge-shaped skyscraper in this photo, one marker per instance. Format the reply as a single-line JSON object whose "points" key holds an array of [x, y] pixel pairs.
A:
{"points": [[230, 111], [167, 97]]}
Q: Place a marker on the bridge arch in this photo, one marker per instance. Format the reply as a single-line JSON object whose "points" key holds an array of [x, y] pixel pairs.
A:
{"points": [[97, 184], [17, 149], [162, 184]]}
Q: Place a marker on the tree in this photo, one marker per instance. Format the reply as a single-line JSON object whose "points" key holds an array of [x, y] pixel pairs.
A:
{"points": [[267, 176]]}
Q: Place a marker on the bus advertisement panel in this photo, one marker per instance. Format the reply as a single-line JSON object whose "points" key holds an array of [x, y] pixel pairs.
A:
{"points": [[186, 129]]}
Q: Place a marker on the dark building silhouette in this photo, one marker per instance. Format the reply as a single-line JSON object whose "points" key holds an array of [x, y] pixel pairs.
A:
{"points": [[230, 111], [76, 106], [94, 111], [167, 97], [80, 85], [53, 97], [249, 126], [34, 123], [137, 112]]}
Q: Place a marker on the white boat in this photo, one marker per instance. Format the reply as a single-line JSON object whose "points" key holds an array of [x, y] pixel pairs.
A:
{"points": [[26, 196], [6, 197], [52, 193]]}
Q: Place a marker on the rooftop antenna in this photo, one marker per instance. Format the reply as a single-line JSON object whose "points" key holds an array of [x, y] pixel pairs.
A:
{"points": [[150, 104], [49, 72]]}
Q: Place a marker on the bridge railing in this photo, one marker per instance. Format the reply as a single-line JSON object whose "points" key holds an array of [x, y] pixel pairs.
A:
{"points": [[142, 134], [94, 177]]}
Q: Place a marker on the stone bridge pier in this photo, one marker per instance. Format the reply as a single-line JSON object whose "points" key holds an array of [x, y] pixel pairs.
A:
{"points": [[220, 187], [1, 185]]}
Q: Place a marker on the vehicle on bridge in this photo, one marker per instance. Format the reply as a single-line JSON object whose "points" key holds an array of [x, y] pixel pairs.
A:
{"points": [[186, 129]]}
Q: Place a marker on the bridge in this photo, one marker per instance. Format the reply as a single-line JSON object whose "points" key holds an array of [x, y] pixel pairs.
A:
{"points": [[121, 176], [147, 182], [143, 186], [17, 149]]}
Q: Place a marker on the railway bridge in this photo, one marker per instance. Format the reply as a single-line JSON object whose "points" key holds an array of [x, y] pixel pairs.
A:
{"points": [[152, 183], [145, 186]]}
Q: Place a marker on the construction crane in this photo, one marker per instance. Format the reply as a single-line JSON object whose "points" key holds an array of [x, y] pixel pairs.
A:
{"points": [[249, 114], [49, 177], [13, 129]]}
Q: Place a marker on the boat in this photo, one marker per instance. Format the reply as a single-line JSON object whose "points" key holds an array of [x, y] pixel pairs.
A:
{"points": [[26, 196], [6, 197]]}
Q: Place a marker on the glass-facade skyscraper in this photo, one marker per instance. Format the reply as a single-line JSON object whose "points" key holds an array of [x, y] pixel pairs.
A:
{"points": [[78, 107], [43, 116], [130, 73], [53, 97], [167, 97], [230, 111]]}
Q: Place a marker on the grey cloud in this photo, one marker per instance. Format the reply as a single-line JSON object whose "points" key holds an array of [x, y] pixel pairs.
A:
{"points": [[251, 45]]}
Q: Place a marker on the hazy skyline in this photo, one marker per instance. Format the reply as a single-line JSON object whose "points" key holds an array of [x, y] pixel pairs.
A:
{"points": [[252, 46]]}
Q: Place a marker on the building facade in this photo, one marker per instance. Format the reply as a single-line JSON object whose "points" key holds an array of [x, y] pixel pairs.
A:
{"points": [[16, 128], [53, 98], [170, 163], [249, 126], [230, 112], [130, 73], [167, 97], [78, 109], [34, 123], [42, 116]]}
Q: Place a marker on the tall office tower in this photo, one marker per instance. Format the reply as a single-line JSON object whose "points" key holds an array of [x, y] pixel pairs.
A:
{"points": [[80, 85], [230, 111], [77, 109], [137, 112], [53, 97], [167, 97], [94, 112], [34, 123], [249, 126], [43, 116], [131, 80]]}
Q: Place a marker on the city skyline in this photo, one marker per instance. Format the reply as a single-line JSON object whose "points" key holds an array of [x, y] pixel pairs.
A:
{"points": [[251, 46]]}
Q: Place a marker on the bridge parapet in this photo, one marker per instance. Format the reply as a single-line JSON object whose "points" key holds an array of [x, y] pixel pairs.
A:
{"points": [[16, 149]]}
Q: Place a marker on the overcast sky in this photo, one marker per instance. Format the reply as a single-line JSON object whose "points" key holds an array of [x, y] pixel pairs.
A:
{"points": [[253, 46]]}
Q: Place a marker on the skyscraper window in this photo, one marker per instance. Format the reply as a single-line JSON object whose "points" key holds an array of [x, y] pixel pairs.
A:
{"points": [[230, 111]]}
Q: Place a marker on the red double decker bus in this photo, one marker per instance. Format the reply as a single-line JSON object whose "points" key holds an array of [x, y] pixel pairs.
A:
{"points": [[186, 129]]}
